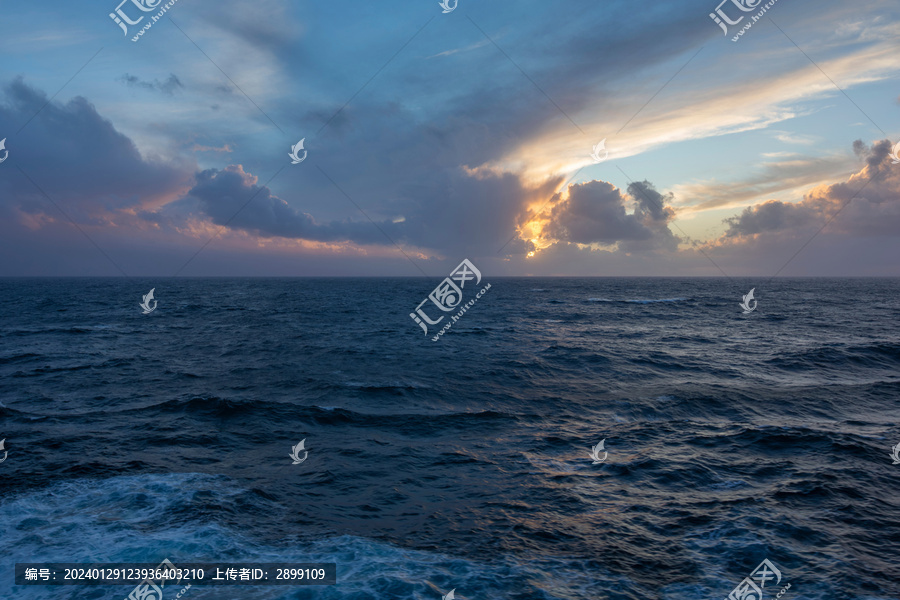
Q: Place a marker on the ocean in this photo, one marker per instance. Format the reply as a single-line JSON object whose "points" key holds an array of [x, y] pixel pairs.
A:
{"points": [[464, 463]]}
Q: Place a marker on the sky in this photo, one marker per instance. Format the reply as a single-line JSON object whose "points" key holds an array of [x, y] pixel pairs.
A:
{"points": [[431, 137]]}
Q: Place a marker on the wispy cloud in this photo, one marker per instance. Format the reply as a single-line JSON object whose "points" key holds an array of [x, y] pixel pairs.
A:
{"points": [[201, 148], [796, 138], [761, 184], [168, 87], [874, 191], [458, 50]]}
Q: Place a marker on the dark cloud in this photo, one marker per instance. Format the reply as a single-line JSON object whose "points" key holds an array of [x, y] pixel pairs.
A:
{"points": [[593, 58], [101, 178], [168, 87], [425, 148], [871, 198], [458, 209], [232, 197], [77, 158], [773, 215], [597, 212], [422, 175], [462, 213]]}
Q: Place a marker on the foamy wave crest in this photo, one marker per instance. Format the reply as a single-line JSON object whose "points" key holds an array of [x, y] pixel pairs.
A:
{"points": [[150, 517]]}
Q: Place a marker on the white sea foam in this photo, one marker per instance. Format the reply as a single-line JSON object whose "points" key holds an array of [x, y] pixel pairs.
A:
{"points": [[130, 519]]}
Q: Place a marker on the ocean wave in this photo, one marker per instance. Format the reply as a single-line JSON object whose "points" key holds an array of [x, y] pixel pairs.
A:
{"points": [[474, 454], [5, 360], [382, 386], [118, 519], [75, 329], [274, 411], [729, 485], [638, 300], [653, 301], [877, 354]]}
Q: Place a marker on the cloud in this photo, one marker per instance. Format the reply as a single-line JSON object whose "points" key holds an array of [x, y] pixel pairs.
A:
{"points": [[452, 145], [773, 215], [712, 99], [453, 213], [80, 160], [457, 50], [795, 138], [232, 197], [202, 148], [793, 173], [871, 198], [168, 87], [596, 212], [267, 24]]}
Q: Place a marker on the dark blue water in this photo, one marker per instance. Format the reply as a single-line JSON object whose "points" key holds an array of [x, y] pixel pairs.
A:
{"points": [[462, 463]]}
